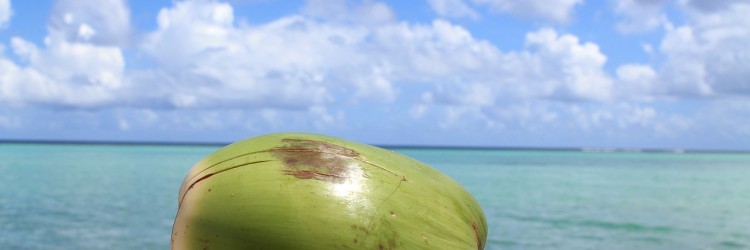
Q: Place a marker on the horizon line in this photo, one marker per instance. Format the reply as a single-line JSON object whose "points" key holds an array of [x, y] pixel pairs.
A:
{"points": [[388, 146]]}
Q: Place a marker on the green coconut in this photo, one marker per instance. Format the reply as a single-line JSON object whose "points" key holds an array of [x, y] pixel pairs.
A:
{"points": [[307, 191]]}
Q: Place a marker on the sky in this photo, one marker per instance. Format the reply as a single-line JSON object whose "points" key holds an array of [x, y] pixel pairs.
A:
{"points": [[499, 73]]}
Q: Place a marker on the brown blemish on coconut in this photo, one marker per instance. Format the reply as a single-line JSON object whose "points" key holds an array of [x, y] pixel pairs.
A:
{"points": [[319, 160]]}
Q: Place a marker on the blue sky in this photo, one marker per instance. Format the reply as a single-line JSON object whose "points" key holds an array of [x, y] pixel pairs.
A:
{"points": [[537, 73]]}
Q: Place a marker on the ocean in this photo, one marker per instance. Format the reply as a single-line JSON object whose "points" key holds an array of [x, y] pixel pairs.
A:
{"points": [[87, 196]]}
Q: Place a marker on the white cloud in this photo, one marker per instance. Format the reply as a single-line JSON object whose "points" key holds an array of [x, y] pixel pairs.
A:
{"points": [[703, 57], [636, 81], [574, 69], [280, 64], [708, 55], [640, 15], [297, 61], [551, 66], [86, 32], [375, 87], [453, 9], [61, 73], [191, 28], [5, 12], [552, 10], [103, 22], [206, 59], [78, 65]]}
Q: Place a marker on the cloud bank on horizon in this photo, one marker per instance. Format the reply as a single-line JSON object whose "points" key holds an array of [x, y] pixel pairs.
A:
{"points": [[561, 73]]}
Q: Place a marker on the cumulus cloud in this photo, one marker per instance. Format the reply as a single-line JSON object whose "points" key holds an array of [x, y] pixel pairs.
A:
{"points": [[551, 10], [82, 64], [67, 70], [5, 12], [574, 69], [299, 61], [309, 62], [62, 73], [707, 55], [102, 22], [552, 66], [282, 63], [206, 59], [636, 81], [703, 57]]}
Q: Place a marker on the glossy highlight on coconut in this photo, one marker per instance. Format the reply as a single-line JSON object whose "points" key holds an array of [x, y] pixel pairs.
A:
{"points": [[307, 191]]}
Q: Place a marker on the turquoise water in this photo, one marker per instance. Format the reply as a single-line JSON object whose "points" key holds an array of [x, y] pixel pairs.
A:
{"points": [[124, 197]]}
